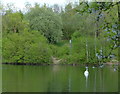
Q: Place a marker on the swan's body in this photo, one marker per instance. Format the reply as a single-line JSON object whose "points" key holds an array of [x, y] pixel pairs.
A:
{"points": [[86, 73]]}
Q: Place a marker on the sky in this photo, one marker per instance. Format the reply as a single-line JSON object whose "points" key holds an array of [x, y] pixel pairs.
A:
{"points": [[21, 3]]}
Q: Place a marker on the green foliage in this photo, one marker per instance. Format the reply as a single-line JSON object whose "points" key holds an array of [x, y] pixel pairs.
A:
{"points": [[64, 50], [28, 47], [70, 21], [13, 22], [45, 20], [35, 37]]}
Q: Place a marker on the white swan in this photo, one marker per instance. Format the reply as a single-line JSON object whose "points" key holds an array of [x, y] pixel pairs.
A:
{"points": [[86, 73]]}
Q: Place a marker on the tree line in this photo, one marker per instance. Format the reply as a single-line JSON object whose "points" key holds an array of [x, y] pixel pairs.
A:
{"points": [[43, 32]]}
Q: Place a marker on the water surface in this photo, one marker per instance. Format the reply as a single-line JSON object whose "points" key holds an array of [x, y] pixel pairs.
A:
{"points": [[20, 78]]}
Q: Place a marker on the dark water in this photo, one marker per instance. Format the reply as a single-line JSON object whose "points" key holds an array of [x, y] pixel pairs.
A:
{"points": [[58, 79]]}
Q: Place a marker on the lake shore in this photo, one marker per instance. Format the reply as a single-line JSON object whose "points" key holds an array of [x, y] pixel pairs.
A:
{"points": [[86, 64]]}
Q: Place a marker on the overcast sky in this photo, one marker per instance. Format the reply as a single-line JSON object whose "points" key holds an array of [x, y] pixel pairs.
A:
{"points": [[21, 3]]}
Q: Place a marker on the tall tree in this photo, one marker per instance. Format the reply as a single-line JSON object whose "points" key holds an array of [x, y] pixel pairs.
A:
{"points": [[45, 20]]}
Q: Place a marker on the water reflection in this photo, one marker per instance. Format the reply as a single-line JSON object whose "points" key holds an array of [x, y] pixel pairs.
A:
{"points": [[86, 81], [69, 83], [95, 82], [56, 68], [59, 79]]}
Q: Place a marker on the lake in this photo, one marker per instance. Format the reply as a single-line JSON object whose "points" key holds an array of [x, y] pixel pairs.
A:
{"points": [[58, 78]]}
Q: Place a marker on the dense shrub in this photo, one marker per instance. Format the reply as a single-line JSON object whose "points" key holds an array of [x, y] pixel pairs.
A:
{"points": [[26, 47]]}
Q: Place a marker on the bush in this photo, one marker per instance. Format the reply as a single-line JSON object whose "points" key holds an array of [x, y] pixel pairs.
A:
{"points": [[26, 47]]}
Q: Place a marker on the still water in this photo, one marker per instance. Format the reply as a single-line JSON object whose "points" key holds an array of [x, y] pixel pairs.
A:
{"points": [[19, 78]]}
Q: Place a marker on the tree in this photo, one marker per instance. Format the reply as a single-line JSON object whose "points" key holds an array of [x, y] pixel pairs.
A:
{"points": [[14, 22], [45, 20], [108, 29]]}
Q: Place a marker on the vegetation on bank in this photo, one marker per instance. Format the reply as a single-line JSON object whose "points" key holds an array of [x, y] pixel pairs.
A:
{"points": [[77, 34]]}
